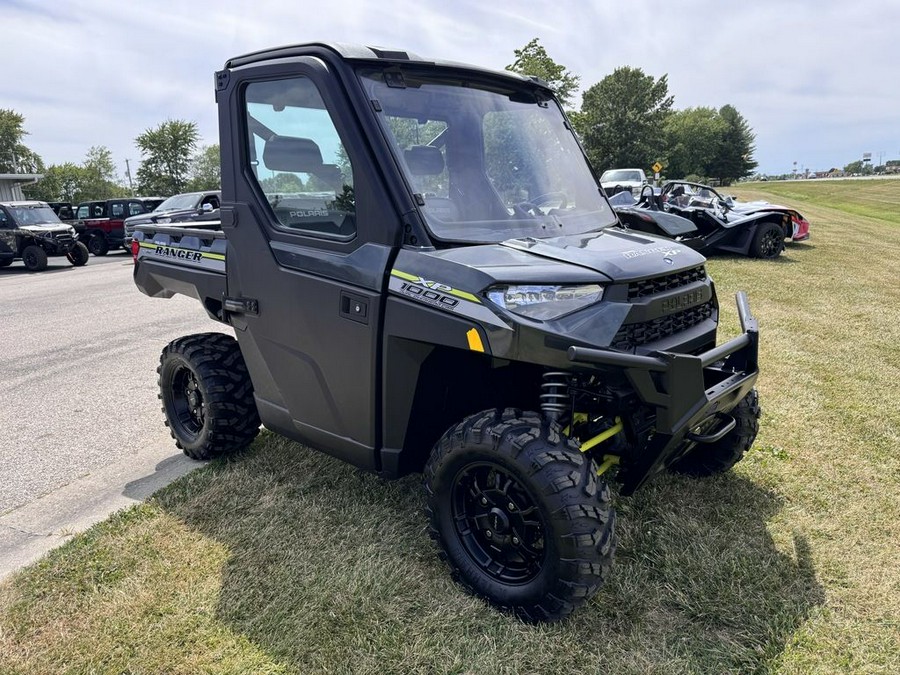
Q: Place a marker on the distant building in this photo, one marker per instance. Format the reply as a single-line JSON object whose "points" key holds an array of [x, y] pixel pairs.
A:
{"points": [[11, 185]]}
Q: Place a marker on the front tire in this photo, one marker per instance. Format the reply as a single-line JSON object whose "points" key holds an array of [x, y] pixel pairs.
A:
{"points": [[34, 258], [519, 514], [707, 459], [768, 242], [207, 396], [78, 256]]}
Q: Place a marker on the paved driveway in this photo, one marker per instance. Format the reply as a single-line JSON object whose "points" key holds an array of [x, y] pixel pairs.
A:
{"points": [[81, 430]]}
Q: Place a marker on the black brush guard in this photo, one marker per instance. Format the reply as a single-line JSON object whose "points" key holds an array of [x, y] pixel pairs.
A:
{"points": [[686, 391]]}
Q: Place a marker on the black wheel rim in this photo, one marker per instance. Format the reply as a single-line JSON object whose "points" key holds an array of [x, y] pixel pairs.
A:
{"points": [[771, 243], [498, 523], [188, 406], [30, 260]]}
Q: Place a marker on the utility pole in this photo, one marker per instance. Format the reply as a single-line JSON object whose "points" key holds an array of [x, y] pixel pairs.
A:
{"points": [[128, 173]]}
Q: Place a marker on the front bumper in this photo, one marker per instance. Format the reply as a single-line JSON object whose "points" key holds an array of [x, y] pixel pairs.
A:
{"points": [[686, 391], [800, 229]]}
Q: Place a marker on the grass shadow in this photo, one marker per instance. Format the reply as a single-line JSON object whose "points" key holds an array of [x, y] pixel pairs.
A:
{"points": [[330, 568]]}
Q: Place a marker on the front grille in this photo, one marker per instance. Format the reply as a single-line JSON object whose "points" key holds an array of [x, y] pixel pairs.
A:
{"points": [[636, 334], [640, 289], [64, 239]]}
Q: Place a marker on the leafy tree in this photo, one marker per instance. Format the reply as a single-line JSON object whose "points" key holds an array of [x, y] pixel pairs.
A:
{"points": [[206, 170], [15, 156], [622, 119], [734, 159], [854, 167], [693, 140], [61, 183], [98, 176], [533, 59], [166, 153]]}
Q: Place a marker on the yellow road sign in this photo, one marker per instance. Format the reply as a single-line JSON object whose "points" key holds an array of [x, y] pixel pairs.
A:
{"points": [[657, 167]]}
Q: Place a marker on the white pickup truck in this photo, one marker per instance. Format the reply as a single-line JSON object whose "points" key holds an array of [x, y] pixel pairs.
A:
{"points": [[617, 180]]}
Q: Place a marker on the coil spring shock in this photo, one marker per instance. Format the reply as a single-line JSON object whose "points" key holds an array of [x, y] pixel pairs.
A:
{"points": [[555, 394]]}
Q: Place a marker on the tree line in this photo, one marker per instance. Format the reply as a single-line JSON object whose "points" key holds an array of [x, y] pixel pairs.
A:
{"points": [[171, 162], [625, 120]]}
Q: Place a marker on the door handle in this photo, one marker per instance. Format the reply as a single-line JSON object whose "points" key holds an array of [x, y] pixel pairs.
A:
{"points": [[354, 307]]}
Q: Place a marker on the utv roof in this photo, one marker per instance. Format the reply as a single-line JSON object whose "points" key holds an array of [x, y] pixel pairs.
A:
{"points": [[354, 52]]}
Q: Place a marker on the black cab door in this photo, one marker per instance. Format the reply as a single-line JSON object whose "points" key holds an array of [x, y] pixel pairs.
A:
{"points": [[310, 236]]}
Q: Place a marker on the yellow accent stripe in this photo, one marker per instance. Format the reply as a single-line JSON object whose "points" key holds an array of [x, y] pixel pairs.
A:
{"points": [[403, 275], [452, 291], [204, 254], [599, 438], [474, 339]]}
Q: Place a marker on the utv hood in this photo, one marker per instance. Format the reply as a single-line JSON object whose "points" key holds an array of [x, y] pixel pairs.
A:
{"points": [[611, 255], [43, 228], [618, 254]]}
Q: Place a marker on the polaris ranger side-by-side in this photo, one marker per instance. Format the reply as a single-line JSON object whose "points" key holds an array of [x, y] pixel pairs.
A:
{"points": [[423, 275]]}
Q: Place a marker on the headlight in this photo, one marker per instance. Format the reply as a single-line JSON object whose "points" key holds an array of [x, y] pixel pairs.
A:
{"points": [[544, 302]]}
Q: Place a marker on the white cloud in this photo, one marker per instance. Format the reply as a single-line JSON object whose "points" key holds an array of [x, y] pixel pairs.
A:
{"points": [[814, 78]]}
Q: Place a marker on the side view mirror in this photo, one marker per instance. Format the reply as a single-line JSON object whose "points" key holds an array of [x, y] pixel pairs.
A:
{"points": [[206, 208]]}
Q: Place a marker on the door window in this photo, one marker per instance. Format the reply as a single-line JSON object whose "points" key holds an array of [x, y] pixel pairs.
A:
{"points": [[298, 159]]}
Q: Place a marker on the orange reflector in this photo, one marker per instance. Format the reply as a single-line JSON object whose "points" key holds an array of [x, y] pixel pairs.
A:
{"points": [[474, 339]]}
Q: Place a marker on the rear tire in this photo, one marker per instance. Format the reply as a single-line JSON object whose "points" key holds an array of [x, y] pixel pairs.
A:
{"points": [[78, 256], [98, 245], [519, 514], [707, 459], [768, 242], [34, 258], [207, 396]]}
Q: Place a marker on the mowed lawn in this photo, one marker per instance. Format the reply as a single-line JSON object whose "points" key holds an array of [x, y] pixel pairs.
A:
{"points": [[285, 561]]}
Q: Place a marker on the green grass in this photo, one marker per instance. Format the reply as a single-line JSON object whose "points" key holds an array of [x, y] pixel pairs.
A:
{"points": [[876, 198], [283, 560]]}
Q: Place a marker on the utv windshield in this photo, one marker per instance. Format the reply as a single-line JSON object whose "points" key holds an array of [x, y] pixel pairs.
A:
{"points": [[34, 215], [487, 162]]}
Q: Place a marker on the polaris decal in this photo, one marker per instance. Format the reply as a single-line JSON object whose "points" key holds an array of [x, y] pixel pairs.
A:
{"points": [[637, 253]]}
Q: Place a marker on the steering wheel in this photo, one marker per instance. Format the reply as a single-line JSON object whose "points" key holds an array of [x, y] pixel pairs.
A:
{"points": [[533, 205], [647, 197], [719, 207], [527, 209], [550, 197]]}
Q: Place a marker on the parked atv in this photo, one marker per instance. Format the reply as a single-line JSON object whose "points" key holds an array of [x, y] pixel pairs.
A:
{"points": [[32, 232], [697, 216]]}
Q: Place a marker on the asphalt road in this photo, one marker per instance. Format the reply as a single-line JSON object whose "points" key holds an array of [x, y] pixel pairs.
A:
{"points": [[78, 362]]}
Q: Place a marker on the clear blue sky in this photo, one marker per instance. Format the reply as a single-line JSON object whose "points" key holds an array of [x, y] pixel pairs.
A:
{"points": [[816, 79]]}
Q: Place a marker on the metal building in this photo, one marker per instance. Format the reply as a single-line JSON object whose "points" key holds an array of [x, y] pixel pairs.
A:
{"points": [[11, 185]]}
